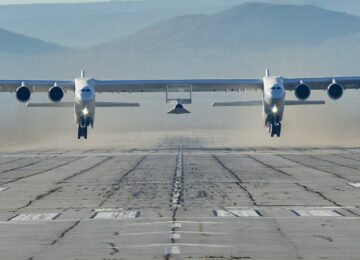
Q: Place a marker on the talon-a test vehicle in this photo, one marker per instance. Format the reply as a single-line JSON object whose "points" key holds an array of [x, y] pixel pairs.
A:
{"points": [[273, 98]]}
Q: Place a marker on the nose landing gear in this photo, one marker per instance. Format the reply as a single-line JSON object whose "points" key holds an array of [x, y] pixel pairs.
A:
{"points": [[274, 125]]}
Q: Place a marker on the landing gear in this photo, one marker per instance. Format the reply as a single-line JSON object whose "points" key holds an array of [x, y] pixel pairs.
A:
{"points": [[275, 129], [82, 132], [273, 125]]}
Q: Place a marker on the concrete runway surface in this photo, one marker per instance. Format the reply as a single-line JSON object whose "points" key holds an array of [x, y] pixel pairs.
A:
{"points": [[180, 200]]}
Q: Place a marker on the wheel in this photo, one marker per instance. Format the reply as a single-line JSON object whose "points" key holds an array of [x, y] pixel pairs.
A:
{"points": [[79, 132], [85, 132], [273, 129]]}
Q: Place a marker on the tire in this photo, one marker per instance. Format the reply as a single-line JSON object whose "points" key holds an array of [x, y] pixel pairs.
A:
{"points": [[79, 132]]}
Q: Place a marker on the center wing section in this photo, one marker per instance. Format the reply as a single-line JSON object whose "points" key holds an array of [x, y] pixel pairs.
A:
{"points": [[198, 85]]}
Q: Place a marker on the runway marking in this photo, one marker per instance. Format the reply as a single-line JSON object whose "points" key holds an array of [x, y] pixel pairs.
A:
{"points": [[175, 225], [35, 217], [3, 188], [173, 236], [116, 214], [179, 221], [167, 233], [178, 244], [176, 195], [237, 213], [171, 250], [355, 184], [317, 213]]}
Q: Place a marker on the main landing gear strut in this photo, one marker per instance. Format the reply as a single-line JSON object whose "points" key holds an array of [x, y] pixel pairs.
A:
{"points": [[82, 128], [274, 125], [82, 132]]}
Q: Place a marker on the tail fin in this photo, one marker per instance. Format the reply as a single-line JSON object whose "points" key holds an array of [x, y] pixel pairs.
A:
{"points": [[267, 72]]}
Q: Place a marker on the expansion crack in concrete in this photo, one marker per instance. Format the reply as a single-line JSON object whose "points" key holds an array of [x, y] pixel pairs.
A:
{"points": [[118, 182], [269, 166], [39, 197], [62, 235], [24, 166], [316, 168], [114, 250], [85, 170], [40, 172], [332, 162], [239, 183]]}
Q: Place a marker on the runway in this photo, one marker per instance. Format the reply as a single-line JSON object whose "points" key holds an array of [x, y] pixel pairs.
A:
{"points": [[180, 201]]}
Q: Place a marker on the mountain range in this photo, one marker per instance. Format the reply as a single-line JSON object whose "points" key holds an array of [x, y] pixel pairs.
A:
{"points": [[239, 41]]}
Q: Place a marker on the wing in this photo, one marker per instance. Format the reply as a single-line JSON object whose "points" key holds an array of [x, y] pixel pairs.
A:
{"points": [[35, 85], [198, 85], [322, 83]]}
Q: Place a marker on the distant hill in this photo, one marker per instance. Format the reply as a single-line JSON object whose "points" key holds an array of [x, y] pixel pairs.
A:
{"points": [[13, 43], [254, 26], [87, 24]]}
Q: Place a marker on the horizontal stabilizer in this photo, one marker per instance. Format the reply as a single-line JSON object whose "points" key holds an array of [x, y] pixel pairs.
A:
{"points": [[116, 104], [238, 103], [60, 104], [302, 102]]}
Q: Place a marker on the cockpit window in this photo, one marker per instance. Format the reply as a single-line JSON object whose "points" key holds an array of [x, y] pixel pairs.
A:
{"points": [[87, 90]]}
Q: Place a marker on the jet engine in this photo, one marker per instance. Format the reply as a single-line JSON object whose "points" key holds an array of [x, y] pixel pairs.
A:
{"points": [[302, 91], [56, 94], [335, 91], [23, 94]]}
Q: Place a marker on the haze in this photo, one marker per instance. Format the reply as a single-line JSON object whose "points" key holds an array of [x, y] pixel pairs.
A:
{"points": [[166, 42]]}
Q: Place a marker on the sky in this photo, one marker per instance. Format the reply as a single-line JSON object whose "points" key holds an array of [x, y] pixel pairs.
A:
{"points": [[6, 2]]}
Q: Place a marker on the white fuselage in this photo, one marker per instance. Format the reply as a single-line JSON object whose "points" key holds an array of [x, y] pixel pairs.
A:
{"points": [[84, 101], [273, 97]]}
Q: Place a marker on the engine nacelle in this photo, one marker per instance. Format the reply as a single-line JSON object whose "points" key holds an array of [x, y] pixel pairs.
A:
{"points": [[335, 91], [56, 94], [302, 91], [23, 94]]}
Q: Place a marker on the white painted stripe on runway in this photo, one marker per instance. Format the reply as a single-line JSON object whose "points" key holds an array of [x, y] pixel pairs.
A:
{"points": [[107, 210], [173, 236], [116, 214], [175, 225], [178, 244], [166, 232], [3, 188], [237, 213], [317, 213], [171, 250], [355, 184], [35, 217]]}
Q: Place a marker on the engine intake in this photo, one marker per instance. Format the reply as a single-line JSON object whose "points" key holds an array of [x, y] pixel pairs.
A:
{"points": [[335, 91], [56, 94], [302, 92], [23, 94]]}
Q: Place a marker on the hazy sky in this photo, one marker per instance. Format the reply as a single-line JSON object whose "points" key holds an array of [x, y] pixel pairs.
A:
{"points": [[6, 2]]}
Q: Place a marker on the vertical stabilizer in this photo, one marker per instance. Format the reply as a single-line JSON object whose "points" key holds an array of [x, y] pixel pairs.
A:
{"points": [[267, 72]]}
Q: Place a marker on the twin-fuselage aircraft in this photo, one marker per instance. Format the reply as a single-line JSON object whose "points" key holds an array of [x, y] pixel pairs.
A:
{"points": [[273, 98]]}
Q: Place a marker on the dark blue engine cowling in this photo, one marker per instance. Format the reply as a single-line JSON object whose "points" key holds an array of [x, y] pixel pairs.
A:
{"points": [[23, 94], [56, 94], [302, 92], [335, 91]]}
